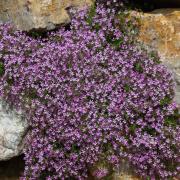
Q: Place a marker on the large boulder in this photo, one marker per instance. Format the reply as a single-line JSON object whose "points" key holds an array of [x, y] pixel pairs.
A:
{"points": [[42, 14], [160, 30], [13, 128]]}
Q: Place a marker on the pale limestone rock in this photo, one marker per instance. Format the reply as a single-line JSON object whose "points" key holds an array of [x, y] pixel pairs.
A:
{"points": [[160, 30], [39, 14], [13, 127]]}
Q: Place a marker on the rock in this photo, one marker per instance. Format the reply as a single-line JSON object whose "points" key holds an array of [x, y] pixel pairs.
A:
{"points": [[124, 172], [160, 30], [42, 14], [13, 128], [125, 177]]}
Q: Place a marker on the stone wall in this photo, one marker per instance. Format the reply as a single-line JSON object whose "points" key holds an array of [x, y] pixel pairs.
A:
{"points": [[38, 14], [160, 30]]}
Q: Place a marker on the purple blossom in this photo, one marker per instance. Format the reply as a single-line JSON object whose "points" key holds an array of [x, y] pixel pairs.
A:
{"points": [[101, 173], [90, 94]]}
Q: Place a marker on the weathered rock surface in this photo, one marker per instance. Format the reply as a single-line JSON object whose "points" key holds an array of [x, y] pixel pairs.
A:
{"points": [[12, 130], [160, 29], [38, 14]]}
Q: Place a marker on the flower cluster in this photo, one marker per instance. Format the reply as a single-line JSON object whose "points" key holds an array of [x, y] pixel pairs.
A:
{"points": [[113, 4], [100, 173], [90, 95]]}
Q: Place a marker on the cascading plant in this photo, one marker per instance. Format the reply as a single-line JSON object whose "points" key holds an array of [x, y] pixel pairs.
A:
{"points": [[90, 95]]}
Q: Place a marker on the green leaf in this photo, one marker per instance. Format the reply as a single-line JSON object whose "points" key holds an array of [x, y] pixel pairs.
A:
{"points": [[154, 55], [75, 148], [106, 147], [149, 130], [109, 38], [57, 146], [117, 42], [10, 81], [170, 122], [132, 128], [2, 69], [127, 88], [173, 119], [166, 100], [97, 27], [91, 14], [126, 116], [28, 52], [138, 67], [31, 94]]}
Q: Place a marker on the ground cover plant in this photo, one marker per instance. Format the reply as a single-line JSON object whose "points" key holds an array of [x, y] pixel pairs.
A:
{"points": [[91, 96]]}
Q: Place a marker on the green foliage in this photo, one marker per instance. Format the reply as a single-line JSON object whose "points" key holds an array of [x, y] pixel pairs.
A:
{"points": [[10, 81], [138, 67], [149, 130], [166, 100], [117, 42], [173, 119], [75, 148], [114, 42], [126, 116], [2, 69], [31, 94], [127, 88], [91, 14], [97, 27], [133, 128], [57, 146], [28, 52], [155, 57]]}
